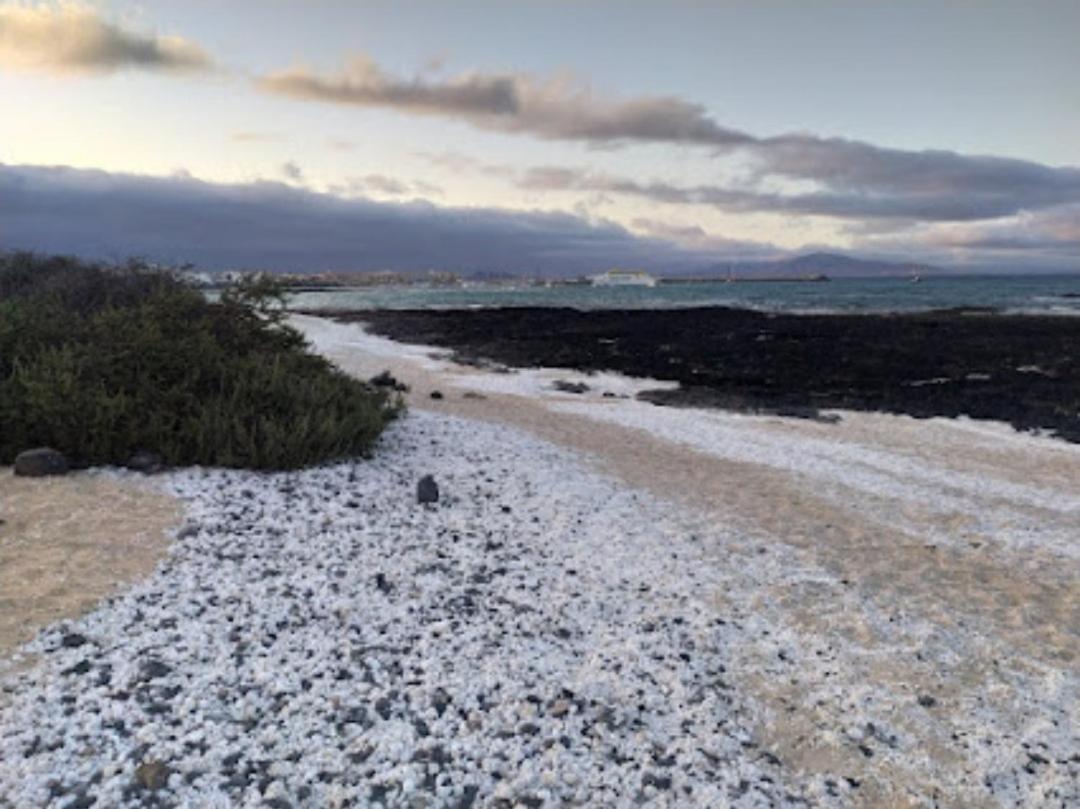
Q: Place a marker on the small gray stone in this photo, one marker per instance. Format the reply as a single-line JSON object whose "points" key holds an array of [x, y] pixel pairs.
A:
{"points": [[427, 490], [152, 775], [39, 463]]}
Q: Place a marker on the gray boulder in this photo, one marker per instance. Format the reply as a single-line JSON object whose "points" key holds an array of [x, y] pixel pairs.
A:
{"points": [[41, 462], [427, 490]]}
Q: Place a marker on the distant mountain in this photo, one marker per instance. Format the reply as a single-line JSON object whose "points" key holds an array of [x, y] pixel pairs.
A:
{"points": [[834, 265]]}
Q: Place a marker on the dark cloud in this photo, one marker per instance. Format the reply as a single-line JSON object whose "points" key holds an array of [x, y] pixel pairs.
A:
{"points": [[1004, 188], [73, 39], [1041, 240], [280, 227], [555, 109], [850, 179]]}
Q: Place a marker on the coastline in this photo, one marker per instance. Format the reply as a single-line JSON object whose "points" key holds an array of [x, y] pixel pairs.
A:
{"points": [[1019, 369], [743, 609]]}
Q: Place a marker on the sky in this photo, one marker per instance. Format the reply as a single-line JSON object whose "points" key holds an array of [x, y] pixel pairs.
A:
{"points": [[562, 136]]}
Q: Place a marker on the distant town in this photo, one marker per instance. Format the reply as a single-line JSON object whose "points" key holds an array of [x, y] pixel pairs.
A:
{"points": [[814, 267]]}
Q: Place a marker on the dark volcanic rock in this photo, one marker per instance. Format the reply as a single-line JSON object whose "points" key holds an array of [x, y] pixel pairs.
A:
{"points": [[943, 363], [427, 490], [149, 463], [387, 380], [570, 387], [39, 463]]}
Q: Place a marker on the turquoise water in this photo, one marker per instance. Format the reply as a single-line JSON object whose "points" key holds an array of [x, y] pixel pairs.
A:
{"points": [[1039, 294]]}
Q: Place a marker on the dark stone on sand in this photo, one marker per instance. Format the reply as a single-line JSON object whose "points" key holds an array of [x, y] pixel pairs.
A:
{"points": [[72, 640], [563, 386], [927, 701], [82, 667], [436, 394], [427, 490], [387, 380], [806, 364], [147, 462], [152, 669], [41, 462]]}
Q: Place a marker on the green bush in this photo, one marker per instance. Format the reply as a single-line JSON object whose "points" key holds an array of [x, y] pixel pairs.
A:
{"points": [[101, 362]]}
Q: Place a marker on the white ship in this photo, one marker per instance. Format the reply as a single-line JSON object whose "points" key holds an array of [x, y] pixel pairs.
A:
{"points": [[623, 278]]}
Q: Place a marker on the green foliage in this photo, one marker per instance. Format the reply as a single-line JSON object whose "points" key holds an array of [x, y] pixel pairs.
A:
{"points": [[100, 362]]}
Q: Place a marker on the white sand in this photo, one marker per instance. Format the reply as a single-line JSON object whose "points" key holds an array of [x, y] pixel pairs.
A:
{"points": [[956, 543]]}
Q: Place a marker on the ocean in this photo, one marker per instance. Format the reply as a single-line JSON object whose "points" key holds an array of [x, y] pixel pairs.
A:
{"points": [[1058, 295]]}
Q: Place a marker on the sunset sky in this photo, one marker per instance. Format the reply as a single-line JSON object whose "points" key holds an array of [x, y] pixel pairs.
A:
{"points": [[541, 136]]}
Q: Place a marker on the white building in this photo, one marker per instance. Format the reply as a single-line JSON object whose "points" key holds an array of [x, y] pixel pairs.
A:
{"points": [[623, 278]]}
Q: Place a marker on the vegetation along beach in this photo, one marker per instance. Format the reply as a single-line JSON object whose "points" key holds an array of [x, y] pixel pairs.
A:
{"points": [[532, 405]]}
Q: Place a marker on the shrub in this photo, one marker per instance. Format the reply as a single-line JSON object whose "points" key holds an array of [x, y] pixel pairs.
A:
{"points": [[100, 362]]}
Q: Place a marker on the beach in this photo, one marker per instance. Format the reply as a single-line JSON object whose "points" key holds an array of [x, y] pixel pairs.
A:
{"points": [[611, 604]]}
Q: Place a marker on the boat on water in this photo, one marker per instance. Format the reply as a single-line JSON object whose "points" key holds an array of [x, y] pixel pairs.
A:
{"points": [[623, 278]]}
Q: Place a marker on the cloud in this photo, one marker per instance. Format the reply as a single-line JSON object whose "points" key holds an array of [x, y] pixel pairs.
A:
{"points": [[1004, 188], [554, 109], [282, 227], [292, 172], [384, 186], [1053, 231], [69, 38], [849, 179], [696, 237]]}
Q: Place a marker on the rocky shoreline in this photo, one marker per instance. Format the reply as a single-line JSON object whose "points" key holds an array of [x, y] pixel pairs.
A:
{"points": [[1022, 370], [539, 635]]}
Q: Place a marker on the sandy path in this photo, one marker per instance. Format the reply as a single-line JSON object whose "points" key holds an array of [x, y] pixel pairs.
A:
{"points": [[955, 544], [66, 543]]}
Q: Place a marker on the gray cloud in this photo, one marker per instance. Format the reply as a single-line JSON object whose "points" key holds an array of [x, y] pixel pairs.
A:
{"points": [[292, 172], [907, 196], [280, 227], [1047, 240], [555, 109], [386, 186], [853, 179], [68, 38]]}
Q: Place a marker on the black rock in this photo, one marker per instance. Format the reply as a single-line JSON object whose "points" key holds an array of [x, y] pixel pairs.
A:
{"points": [[73, 640], [927, 701], [152, 669], [436, 394], [387, 380], [39, 463], [427, 490], [570, 387], [807, 364], [149, 463]]}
